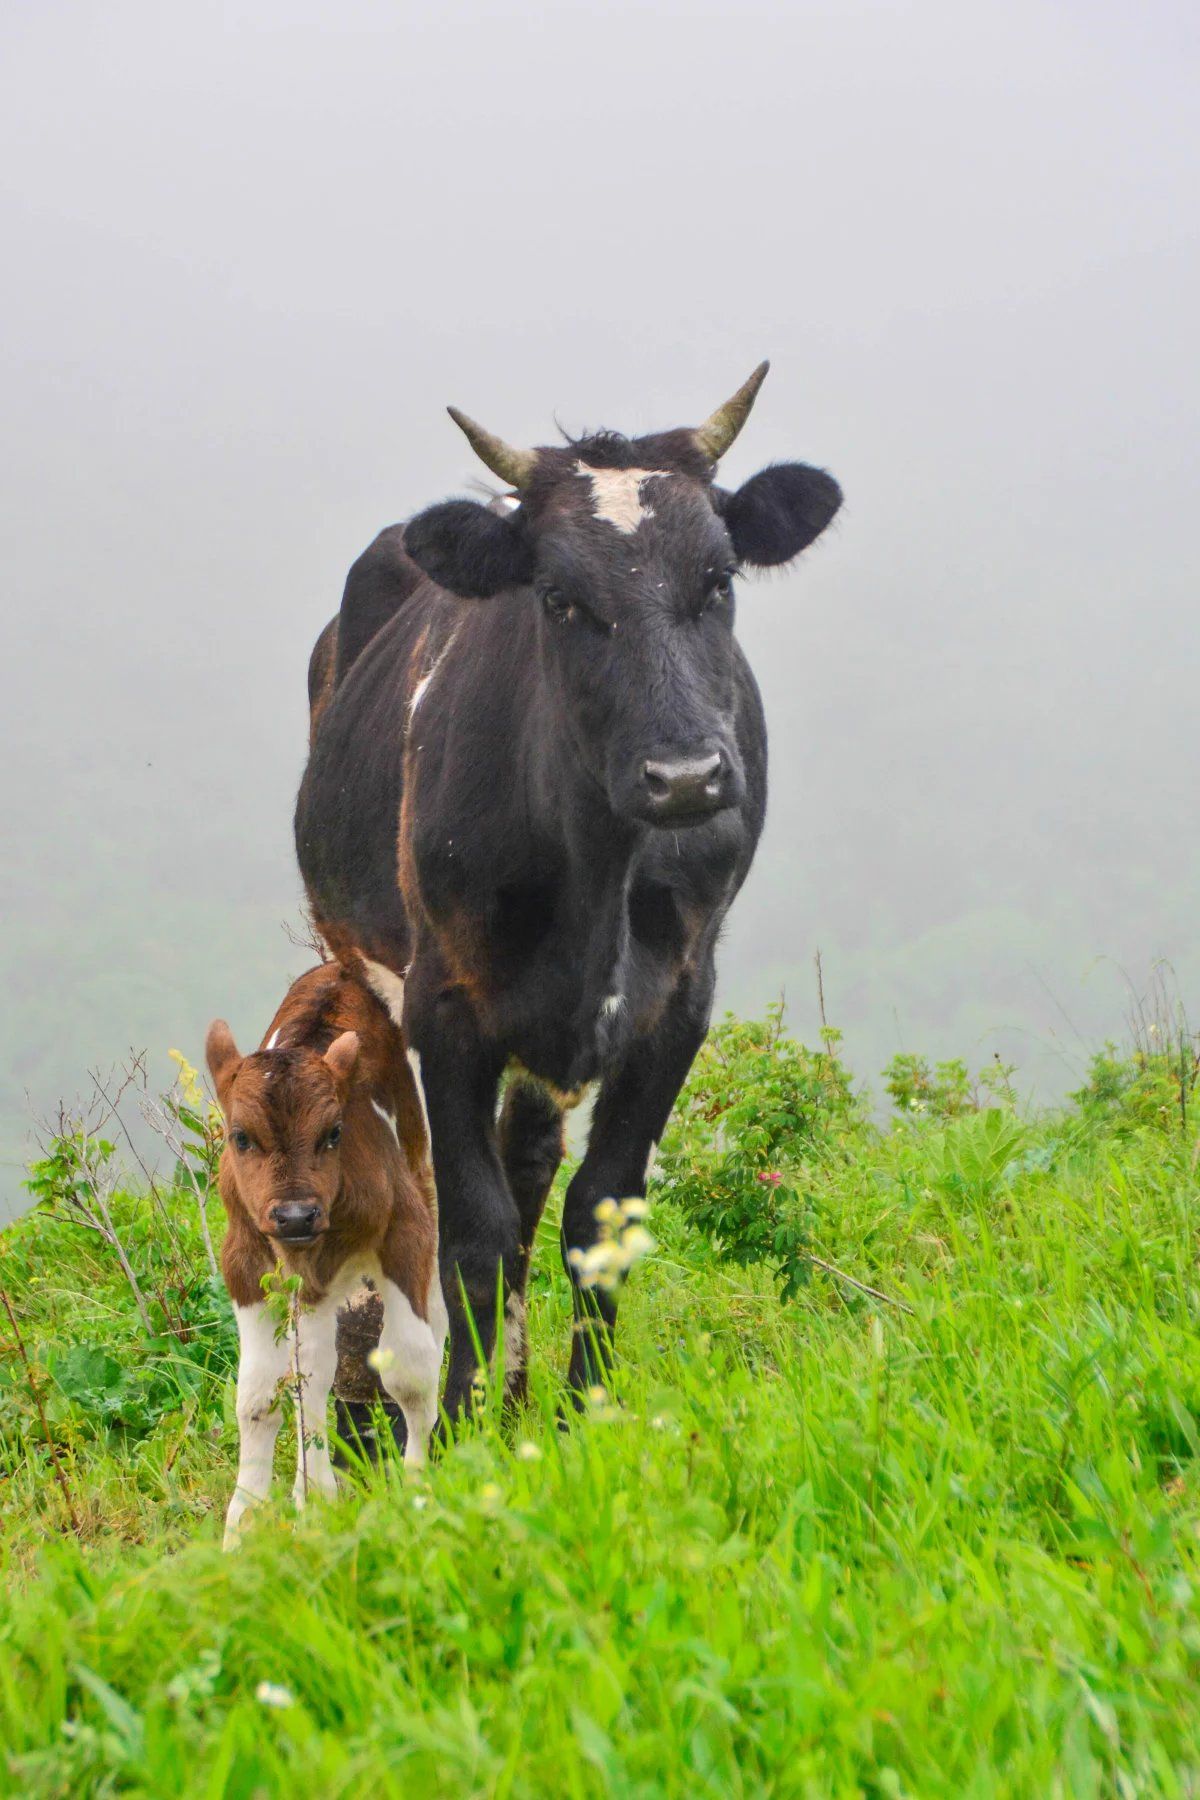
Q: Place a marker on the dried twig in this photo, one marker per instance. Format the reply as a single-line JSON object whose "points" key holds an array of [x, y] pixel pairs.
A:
{"points": [[59, 1472], [863, 1288], [821, 993], [300, 1432], [163, 1123], [306, 936], [135, 1074], [90, 1207]]}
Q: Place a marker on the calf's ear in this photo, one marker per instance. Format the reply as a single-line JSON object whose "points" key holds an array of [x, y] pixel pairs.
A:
{"points": [[468, 548], [778, 512], [222, 1055], [342, 1055]]}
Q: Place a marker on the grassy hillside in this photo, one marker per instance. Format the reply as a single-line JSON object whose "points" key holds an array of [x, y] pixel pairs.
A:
{"points": [[939, 1539]]}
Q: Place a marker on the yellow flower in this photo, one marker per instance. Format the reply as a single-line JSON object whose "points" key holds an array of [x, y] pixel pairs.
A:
{"points": [[188, 1080]]}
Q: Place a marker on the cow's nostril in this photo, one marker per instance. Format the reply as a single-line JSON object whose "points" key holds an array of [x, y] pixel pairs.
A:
{"points": [[688, 785]]}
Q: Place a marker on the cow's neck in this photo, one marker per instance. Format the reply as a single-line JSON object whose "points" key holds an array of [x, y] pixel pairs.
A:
{"points": [[594, 855]]}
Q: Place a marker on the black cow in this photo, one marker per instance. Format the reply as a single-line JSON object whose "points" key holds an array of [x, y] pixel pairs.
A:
{"points": [[537, 784]]}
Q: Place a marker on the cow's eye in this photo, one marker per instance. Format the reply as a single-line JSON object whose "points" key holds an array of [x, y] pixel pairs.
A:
{"points": [[720, 589], [333, 1137], [240, 1139], [557, 606]]}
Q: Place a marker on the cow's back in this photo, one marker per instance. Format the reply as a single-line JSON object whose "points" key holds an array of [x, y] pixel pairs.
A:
{"points": [[379, 583], [347, 811]]}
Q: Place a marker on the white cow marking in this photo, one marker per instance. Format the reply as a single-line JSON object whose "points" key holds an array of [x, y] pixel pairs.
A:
{"points": [[611, 1005], [414, 1063], [266, 1368], [414, 1368], [387, 986], [515, 1350], [387, 1118], [307, 1361], [617, 495], [422, 687]]}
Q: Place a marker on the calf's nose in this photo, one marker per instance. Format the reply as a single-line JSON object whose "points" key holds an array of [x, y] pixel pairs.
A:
{"points": [[295, 1219], [693, 784]]}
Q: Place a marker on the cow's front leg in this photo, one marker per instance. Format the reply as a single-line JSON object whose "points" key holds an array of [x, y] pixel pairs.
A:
{"points": [[530, 1133], [478, 1226], [263, 1365], [632, 1109]]}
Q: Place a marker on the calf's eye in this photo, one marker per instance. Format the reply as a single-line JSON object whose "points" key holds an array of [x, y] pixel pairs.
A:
{"points": [[240, 1139], [333, 1137]]}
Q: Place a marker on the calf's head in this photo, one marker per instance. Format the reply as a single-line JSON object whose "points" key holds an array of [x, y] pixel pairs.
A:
{"points": [[629, 551], [283, 1129]]}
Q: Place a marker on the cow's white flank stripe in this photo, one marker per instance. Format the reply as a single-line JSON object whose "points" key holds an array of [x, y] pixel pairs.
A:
{"points": [[422, 687]]}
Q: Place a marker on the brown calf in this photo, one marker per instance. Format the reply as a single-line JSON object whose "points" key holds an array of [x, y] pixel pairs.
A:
{"points": [[325, 1174]]}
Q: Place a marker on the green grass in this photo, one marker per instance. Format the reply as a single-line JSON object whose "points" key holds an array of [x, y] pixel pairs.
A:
{"points": [[826, 1547]]}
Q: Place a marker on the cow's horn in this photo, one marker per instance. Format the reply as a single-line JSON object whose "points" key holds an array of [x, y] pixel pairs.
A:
{"points": [[514, 466], [718, 432]]}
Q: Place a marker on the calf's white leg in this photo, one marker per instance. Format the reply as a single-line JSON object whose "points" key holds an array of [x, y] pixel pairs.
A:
{"points": [[413, 1363], [315, 1358], [262, 1368]]}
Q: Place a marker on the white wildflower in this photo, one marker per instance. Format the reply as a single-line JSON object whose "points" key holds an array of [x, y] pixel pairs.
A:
{"points": [[269, 1693], [636, 1243]]}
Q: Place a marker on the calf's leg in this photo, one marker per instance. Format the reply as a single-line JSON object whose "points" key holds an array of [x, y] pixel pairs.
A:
{"points": [[314, 1350], [263, 1366], [412, 1362]]}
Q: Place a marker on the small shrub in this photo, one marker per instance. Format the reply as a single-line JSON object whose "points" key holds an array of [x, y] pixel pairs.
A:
{"points": [[757, 1104], [942, 1092], [1146, 1090], [946, 1091], [972, 1157]]}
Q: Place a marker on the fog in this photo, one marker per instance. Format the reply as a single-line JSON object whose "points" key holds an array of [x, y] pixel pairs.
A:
{"points": [[253, 252]]}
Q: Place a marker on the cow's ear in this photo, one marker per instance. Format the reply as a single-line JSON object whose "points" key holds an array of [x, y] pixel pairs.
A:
{"points": [[778, 512], [470, 549], [222, 1055], [341, 1057]]}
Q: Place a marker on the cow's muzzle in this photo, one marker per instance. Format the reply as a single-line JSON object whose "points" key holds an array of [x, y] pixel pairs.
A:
{"points": [[685, 790]]}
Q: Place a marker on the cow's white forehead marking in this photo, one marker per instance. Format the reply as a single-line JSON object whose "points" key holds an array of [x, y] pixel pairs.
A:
{"points": [[617, 495]]}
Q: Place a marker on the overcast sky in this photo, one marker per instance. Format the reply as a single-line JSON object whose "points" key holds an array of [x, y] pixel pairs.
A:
{"points": [[253, 251]]}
